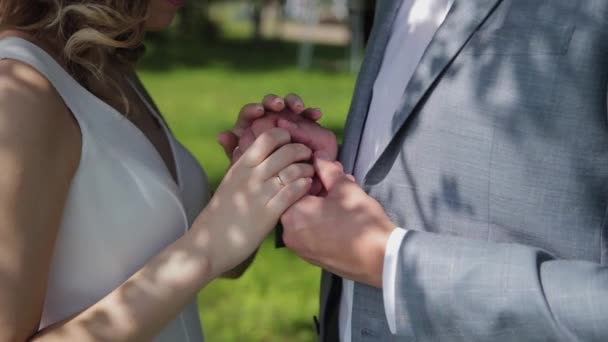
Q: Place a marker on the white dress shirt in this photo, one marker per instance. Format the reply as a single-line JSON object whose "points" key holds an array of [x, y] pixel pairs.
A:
{"points": [[412, 32]]}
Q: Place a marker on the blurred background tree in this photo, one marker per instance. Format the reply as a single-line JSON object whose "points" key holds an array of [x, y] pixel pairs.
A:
{"points": [[219, 55]]}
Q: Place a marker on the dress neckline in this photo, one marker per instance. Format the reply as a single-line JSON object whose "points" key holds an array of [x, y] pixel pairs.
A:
{"points": [[167, 133]]}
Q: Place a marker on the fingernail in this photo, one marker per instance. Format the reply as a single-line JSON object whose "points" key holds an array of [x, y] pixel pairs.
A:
{"points": [[279, 102], [260, 109]]}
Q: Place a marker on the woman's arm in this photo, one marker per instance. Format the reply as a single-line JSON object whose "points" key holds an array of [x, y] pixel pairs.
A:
{"points": [[146, 302], [241, 213], [39, 153]]}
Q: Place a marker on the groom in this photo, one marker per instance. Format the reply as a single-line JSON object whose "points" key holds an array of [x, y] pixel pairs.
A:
{"points": [[478, 137]]}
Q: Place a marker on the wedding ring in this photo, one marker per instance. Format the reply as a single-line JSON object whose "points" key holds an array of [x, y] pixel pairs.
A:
{"points": [[278, 177]]}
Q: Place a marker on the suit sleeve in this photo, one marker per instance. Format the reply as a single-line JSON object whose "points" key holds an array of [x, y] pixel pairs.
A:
{"points": [[455, 289]]}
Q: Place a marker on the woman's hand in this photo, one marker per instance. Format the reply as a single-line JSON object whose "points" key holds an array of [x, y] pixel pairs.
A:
{"points": [[269, 177], [320, 140], [302, 131], [242, 134], [289, 114]]}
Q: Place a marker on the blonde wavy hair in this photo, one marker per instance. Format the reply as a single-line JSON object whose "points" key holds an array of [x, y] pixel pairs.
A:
{"points": [[98, 38]]}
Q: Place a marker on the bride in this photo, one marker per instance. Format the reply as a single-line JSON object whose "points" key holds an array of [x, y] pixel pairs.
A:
{"points": [[103, 233]]}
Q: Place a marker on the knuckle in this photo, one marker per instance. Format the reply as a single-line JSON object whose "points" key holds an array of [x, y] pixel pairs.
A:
{"points": [[299, 170], [289, 240], [253, 185], [296, 191], [306, 151], [287, 219], [267, 138], [286, 193], [257, 172], [254, 152], [291, 172], [254, 158], [300, 150], [291, 192], [280, 135], [255, 188]]}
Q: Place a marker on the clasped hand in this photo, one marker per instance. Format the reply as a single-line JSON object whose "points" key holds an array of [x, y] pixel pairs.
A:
{"points": [[337, 226], [250, 199]]}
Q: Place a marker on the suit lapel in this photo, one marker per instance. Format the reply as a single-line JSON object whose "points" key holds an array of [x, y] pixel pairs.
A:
{"points": [[386, 13], [464, 18], [383, 22]]}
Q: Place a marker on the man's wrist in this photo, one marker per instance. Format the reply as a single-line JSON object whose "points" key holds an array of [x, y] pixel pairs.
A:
{"points": [[379, 252]]}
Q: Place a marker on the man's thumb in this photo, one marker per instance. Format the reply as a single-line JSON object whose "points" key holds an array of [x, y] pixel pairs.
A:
{"points": [[329, 172]]}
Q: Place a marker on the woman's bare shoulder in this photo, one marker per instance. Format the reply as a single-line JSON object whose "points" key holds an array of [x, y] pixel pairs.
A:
{"points": [[33, 113]]}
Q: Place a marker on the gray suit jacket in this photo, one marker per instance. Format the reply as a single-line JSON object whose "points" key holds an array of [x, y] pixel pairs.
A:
{"points": [[498, 166]]}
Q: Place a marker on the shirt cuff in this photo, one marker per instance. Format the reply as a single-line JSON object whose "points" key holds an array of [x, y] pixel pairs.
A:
{"points": [[389, 276]]}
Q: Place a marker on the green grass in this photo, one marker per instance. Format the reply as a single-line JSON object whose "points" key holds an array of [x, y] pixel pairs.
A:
{"points": [[200, 89]]}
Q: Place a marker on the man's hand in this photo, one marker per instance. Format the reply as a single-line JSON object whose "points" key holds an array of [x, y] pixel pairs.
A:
{"points": [[302, 130], [345, 232]]}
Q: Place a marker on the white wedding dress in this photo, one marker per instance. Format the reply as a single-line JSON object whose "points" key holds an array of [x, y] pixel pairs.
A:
{"points": [[123, 206]]}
